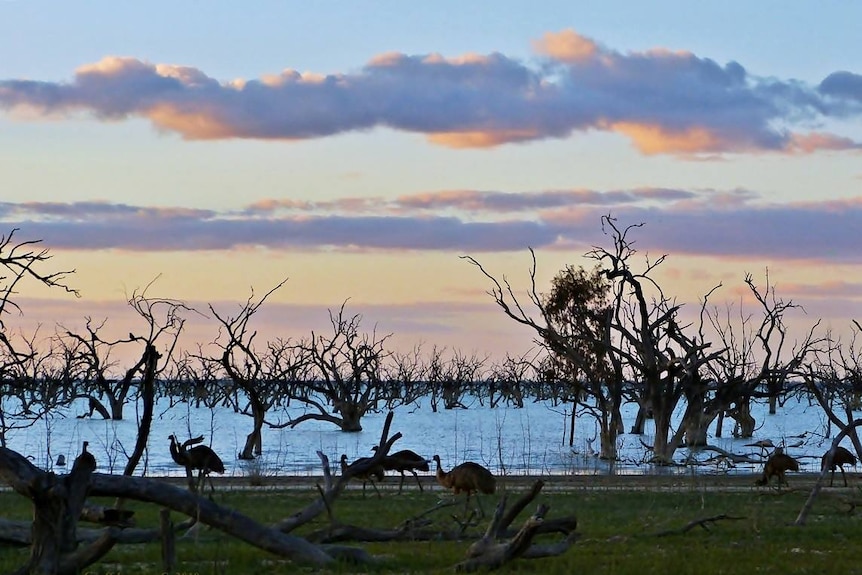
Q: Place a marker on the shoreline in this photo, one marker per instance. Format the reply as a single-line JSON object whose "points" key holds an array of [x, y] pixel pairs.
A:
{"points": [[729, 482]]}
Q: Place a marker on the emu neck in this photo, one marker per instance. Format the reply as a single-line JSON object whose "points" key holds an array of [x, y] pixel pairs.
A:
{"points": [[442, 476]]}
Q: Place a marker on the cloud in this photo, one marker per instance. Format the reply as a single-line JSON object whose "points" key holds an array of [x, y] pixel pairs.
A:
{"points": [[717, 223], [665, 102], [501, 202], [567, 46]]}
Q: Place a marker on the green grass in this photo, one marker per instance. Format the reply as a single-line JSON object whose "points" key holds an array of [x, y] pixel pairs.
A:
{"points": [[618, 530]]}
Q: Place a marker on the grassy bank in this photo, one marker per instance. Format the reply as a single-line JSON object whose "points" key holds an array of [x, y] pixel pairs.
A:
{"points": [[627, 525]]}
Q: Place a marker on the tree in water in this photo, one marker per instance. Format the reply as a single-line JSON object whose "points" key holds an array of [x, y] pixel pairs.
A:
{"points": [[345, 379]]}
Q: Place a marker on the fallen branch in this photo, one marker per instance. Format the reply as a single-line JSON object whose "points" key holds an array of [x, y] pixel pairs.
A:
{"points": [[488, 553], [704, 523], [733, 457]]}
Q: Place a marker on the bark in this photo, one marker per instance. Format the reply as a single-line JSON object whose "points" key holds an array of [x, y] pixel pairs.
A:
{"points": [[58, 501], [148, 395], [745, 422], [608, 433], [663, 446], [486, 554], [351, 416], [253, 441]]}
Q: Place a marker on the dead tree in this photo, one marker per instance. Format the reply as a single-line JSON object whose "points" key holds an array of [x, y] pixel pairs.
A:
{"points": [[345, 380], [20, 262], [634, 332], [245, 366], [58, 501]]}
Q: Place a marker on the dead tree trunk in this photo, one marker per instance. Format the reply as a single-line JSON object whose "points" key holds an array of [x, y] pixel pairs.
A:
{"points": [[57, 504]]}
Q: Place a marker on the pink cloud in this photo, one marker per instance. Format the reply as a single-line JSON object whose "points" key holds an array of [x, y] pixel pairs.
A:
{"points": [[566, 46], [733, 224], [664, 101]]}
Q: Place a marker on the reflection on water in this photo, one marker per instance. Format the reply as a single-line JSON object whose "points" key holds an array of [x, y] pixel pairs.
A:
{"points": [[531, 440]]}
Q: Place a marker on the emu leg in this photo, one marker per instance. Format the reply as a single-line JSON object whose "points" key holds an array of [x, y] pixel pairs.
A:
{"points": [[479, 505], [374, 485], [419, 483]]}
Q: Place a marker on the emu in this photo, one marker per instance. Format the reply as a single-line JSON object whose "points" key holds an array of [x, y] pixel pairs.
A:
{"points": [[85, 457], [777, 464], [405, 460], [374, 472], [468, 477], [199, 457], [841, 458]]}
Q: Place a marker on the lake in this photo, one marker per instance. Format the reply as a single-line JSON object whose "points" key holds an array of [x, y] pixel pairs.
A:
{"points": [[529, 440]]}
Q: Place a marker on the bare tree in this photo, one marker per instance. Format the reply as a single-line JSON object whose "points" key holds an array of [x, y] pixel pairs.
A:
{"points": [[99, 382], [347, 371], [20, 261], [452, 375], [163, 322], [756, 361], [244, 365]]}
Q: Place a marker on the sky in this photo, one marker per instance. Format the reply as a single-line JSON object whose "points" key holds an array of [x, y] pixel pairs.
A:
{"points": [[209, 150]]}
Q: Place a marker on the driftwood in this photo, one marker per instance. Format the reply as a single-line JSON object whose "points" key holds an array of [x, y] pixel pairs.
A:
{"points": [[732, 457], [490, 553], [58, 502], [19, 532]]}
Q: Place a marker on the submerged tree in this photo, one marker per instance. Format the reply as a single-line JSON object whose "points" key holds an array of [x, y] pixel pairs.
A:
{"points": [[634, 335], [244, 365], [20, 261], [346, 373]]}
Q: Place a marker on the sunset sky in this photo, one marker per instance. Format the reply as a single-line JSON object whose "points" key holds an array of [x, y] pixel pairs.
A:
{"points": [[359, 148]]}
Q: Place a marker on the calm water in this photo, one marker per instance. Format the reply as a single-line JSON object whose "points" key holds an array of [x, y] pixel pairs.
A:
{"points": [[530, 440]]}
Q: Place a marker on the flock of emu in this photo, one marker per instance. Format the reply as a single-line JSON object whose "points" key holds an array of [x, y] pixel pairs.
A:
{"points": [[468, 477], [779, 463]]}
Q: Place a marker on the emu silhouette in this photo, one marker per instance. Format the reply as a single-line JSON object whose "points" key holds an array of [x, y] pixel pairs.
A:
{"points": [[86, 457], [776, 466], [375, 472], [200, 458], [841, 458], [405, 460], [468, 477]]}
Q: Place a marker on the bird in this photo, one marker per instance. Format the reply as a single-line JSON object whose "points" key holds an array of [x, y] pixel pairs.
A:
{"points": [[468, 477], [86, 458], [405, 460], [777, 464], [840, 458], [200, 458], [375, 472]]}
